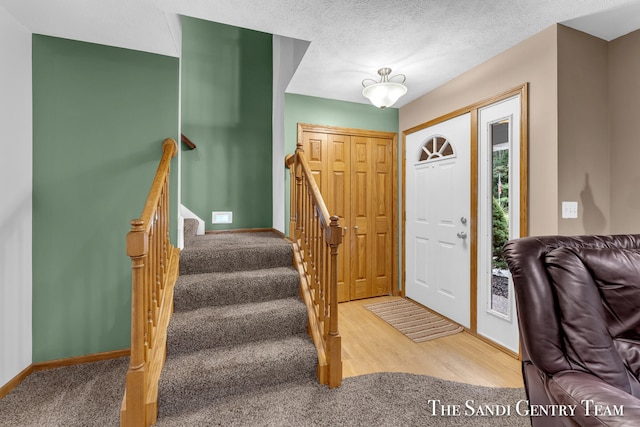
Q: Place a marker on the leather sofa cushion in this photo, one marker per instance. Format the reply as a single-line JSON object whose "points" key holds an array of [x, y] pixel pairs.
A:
{"points": [[598, 294], [580, 389]]}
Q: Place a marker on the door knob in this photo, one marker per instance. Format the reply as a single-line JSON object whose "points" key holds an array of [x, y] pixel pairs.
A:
{"points": [[462, 235], [355, 228], [463, 219]]}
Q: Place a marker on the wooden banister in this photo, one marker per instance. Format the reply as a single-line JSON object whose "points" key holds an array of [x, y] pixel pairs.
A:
{"points": [[154, 263], [316, 238], [187, 141]]}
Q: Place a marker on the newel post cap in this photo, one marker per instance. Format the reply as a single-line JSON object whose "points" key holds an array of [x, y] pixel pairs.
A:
{"points": [[137, 239]]}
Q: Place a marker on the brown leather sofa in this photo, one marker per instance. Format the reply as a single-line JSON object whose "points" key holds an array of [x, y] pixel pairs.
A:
{"points": [[578, 303]]}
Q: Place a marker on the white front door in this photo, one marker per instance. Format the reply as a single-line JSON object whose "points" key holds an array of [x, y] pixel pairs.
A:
{"points": [[498, 218], [437, 201]]}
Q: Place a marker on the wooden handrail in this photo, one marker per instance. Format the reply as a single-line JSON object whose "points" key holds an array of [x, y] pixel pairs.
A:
{"points": [[187, 141], [316, 237], [154, 263]]}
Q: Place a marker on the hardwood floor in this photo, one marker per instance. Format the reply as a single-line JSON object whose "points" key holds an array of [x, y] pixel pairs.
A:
{"points": [[371, 345]]}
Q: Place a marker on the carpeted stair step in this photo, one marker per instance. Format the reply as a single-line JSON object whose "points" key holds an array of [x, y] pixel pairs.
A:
{"points": [[238, 326], [223, 326], [195, 380], [240, 251], [194, 291], [190, 230]]}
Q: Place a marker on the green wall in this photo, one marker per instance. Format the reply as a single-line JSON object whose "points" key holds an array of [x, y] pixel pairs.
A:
{"points": [[99, 116], [321, 111], [227, 113]]}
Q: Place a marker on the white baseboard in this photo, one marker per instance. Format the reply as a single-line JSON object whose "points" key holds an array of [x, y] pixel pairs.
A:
{"points": [[185, 213]]}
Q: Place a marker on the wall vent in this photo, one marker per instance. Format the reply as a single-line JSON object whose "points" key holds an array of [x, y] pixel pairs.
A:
{"points": [[222, 217]]}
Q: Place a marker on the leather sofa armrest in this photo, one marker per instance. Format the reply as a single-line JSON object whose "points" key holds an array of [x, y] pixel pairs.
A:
{"points": [[596, 402]]}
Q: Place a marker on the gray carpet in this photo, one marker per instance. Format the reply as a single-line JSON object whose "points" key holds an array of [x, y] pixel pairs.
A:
{"points": [[239, 324], [81, 395], [238, 355], [231, 252], [90, 395]]}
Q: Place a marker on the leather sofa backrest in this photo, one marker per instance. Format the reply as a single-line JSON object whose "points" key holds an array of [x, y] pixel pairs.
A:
{"points": [[539, 315], [598, 295]]}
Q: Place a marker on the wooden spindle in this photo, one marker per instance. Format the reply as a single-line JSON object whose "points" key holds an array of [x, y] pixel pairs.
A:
{"points": [[161, 236], [152, 282]]}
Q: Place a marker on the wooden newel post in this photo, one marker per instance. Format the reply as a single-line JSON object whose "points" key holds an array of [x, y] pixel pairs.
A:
{"points": [[290, 164], [137, 250], [334, 238]]}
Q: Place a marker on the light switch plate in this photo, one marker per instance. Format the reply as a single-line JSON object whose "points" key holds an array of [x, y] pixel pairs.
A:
{"points": [[569, 209]]}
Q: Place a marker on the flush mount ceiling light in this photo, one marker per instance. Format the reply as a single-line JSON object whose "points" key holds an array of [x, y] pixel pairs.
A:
{"points": [[384, 93]]}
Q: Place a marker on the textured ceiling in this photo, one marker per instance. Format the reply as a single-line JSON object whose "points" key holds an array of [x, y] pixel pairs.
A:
{"points": [[430, 41]]}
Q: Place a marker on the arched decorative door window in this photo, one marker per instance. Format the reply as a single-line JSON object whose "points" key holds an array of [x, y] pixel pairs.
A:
{"points": [[435, 147]]}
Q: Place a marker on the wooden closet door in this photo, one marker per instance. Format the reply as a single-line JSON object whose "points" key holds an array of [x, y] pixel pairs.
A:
{"points": [[355, 175], [329, 157], [382, 214], [337, 199], [360, 218], [314, 145], [371, 216]]}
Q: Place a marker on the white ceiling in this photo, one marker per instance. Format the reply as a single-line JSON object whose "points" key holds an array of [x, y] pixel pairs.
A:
{"points": [[430, 41]]}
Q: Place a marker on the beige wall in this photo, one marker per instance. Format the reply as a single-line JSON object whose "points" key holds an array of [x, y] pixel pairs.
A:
{"points": [[533, 61], [624, 83], [583, 131], [584, 137]]}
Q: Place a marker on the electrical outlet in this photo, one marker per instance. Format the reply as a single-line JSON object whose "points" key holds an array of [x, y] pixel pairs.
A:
{"points": [[569, 209]]}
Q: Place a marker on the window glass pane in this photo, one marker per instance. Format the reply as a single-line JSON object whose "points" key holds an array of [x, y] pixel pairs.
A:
{"points": [[500, 216], [435, 148], [447, 150]]}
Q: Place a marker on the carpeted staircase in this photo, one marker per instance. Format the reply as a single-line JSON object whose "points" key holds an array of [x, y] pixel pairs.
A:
{"points": [[238, 326]]}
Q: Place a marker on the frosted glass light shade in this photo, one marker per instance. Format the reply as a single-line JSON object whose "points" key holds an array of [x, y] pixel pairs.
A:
{"points": [[384, 94]]}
